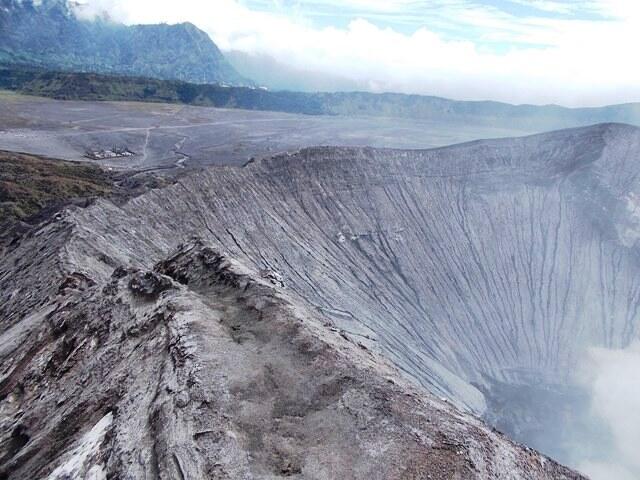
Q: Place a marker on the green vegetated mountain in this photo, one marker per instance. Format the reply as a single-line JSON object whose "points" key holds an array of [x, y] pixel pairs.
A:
{"points": [[48, 34], [88, 86]]}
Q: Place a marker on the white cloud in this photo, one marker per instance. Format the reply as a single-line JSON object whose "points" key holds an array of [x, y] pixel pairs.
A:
{"points": [[612, 377], [576, 62], [547, 6]]}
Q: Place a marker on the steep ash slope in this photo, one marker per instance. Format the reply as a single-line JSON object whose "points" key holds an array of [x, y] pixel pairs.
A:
{"points": [[499, 258], [478, 270], [470, 267]]}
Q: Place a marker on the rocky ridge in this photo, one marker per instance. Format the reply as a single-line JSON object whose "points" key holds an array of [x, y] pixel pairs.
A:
{"points": [[200, 368]]}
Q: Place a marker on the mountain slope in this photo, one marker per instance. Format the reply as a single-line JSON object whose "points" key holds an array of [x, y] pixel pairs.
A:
{"points": [[290, 318], [481, 271], [49, 35]]}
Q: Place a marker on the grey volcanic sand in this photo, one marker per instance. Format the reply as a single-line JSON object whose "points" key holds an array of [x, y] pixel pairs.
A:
{"points": [[168, 135]]}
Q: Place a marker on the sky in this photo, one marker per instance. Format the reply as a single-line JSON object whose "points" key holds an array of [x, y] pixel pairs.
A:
{"points": [[568, 52]]}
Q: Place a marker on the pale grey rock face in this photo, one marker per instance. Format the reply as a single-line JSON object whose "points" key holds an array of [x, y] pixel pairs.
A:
{"points": [[478, 271]]}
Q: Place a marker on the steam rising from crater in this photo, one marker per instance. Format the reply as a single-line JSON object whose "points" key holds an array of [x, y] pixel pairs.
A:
{"points": [[613, 379]]}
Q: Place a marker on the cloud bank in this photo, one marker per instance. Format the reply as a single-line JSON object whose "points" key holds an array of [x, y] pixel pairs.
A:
{"points": [[571, 53]]}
